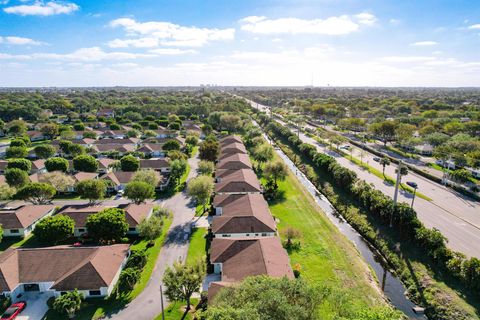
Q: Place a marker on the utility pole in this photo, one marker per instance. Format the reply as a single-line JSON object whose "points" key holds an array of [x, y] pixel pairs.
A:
{"points": [[161, 302], [397, 184]]}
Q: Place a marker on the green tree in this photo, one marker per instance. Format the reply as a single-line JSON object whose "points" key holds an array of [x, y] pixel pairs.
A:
{"points": [[56, 164], [138, 259], [76, 150], [150, 228], [384, 162], [209, 150], [54, 229], [128, 278], [191, 140], [263, 153], [384, 131], [263, 297], [275, 171], [148, 176], [22, 164], [139, 191], [69, 303], [171, 145], [206, 167], [93, 189], [36, 193], [50, 130], [129, 163], [177, 169], [45, 151], [183, 280], [6, 192], [85, 163], [16, 177], [108, 225], [18, 143], [17, 127], [16, 152], [201, 189], [59, 180], [461, 175]]}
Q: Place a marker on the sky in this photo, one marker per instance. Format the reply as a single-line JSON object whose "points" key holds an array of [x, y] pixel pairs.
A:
{"points": [[240, 43]]}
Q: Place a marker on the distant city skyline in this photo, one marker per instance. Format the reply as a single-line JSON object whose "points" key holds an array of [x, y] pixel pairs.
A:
{"points": [[242, 43]]}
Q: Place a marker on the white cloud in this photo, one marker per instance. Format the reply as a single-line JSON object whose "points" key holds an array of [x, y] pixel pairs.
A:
{"points": [[343, 24], [39, 8], [168, 34], [424, 43], [171, 51], [83, 54], [474, 26], [19, 41], [137, 43], [402, 59]]}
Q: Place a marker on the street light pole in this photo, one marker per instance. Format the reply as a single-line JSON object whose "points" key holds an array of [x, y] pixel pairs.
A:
{"points": [[397, 184], [161, 302], [413, 199]]}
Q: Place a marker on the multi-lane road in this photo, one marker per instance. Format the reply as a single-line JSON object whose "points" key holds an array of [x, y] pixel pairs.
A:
{"points": [[457, 217]]}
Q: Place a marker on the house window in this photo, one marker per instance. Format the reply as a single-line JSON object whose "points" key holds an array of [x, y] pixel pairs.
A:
{"points": [[256, 234], [95, 292], [132, 229], [264, 234], [14, 231], [225, 235], [81, 230]]}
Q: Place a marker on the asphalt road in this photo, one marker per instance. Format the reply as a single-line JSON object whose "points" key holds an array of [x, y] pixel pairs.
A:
{"points": [[147, 305], [457, 217]]}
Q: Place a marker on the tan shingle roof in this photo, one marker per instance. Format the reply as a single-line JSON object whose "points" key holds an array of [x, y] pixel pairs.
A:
{"points": [[240, 181], [119, 177], [230, 139], [23, 216], [157, 163], [127, 147], [242, 258], [117, 141]]}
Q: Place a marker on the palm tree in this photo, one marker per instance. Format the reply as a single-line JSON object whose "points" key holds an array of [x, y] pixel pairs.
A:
{"points": [[384, 162]]}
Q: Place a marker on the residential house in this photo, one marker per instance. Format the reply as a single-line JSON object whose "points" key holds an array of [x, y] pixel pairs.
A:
{"points": [[80, 134], [38, 166], [117, 180], [152, 150], [105, 165], [106, 113], [232, 148], [424, 149], [21, 221], [242, 215], [230, 139], [52, 271], [165, 133], [157, 164], [36, 135], [121, 149], [118, 141], [234, 161], [237, 259], [134, 214], [112, 134], [241, 181]]}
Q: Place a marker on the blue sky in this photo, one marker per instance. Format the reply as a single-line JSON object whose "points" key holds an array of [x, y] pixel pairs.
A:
{"points": [[295, 42]]}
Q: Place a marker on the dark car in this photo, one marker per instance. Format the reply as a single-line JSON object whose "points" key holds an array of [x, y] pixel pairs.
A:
{"points": [[14, 310], [412, 184], [376, 159]]}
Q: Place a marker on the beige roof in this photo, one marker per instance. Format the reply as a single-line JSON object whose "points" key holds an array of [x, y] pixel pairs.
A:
{"points": [[239, 181], [103, 163], [235, 161], [134, 213], [126, 147], [232, 148], [84, 141], [116, 141], [69, 268], [81, 176], [119, 177], [23, 216], [244, 257], [149, 147], [38, 164], [242, 213]]}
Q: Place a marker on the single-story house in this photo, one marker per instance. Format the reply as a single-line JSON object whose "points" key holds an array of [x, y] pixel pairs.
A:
{"points": [[106, 113], [237, 259], [38, 166], [164, 133], [152, 150], [21, 221], [157, 164], [118, 180], [93, 271], [230, 139], [424, 149], [85, 142], [241, 181], [234, 161], [117, 141], [113, 134], [114, 147], [105, 165], [232, 148], [80, 134], [36, 135], [242, 215], [134, 214]]}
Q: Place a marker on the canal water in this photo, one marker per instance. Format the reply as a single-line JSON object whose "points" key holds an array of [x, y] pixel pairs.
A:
{"points": [[390, 284]]}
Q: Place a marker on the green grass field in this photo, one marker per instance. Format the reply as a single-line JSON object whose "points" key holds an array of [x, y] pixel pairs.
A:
{"points": [[326, 257], [196, 250]]}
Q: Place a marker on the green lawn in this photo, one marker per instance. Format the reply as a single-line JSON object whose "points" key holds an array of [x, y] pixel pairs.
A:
{"points": [[198, 242], [174, 311], [98, 308], [326, 257]]}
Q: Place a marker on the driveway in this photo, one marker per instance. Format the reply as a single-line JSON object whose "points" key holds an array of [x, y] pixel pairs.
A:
{"points": [[147, 305], [36, 306]]}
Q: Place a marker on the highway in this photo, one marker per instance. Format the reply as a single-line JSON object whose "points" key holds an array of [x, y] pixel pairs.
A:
{"points": [[457, 217]]}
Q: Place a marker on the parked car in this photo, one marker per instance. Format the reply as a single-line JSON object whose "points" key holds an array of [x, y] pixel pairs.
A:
{"points": [[14, 310], [345, 147], [376, 159]]}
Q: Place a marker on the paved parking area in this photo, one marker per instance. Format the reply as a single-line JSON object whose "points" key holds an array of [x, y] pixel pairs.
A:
{"points": [[36, 306]]}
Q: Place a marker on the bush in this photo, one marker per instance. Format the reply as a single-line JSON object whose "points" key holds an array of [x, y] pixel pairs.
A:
{"points": [[22, 164], [150, 229], [85, 163], [56, 164], [138, 259], [16, 152], [108, 225], [16, 177], [129, 163], [45, 151], [54, 229], [128, 278]]}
